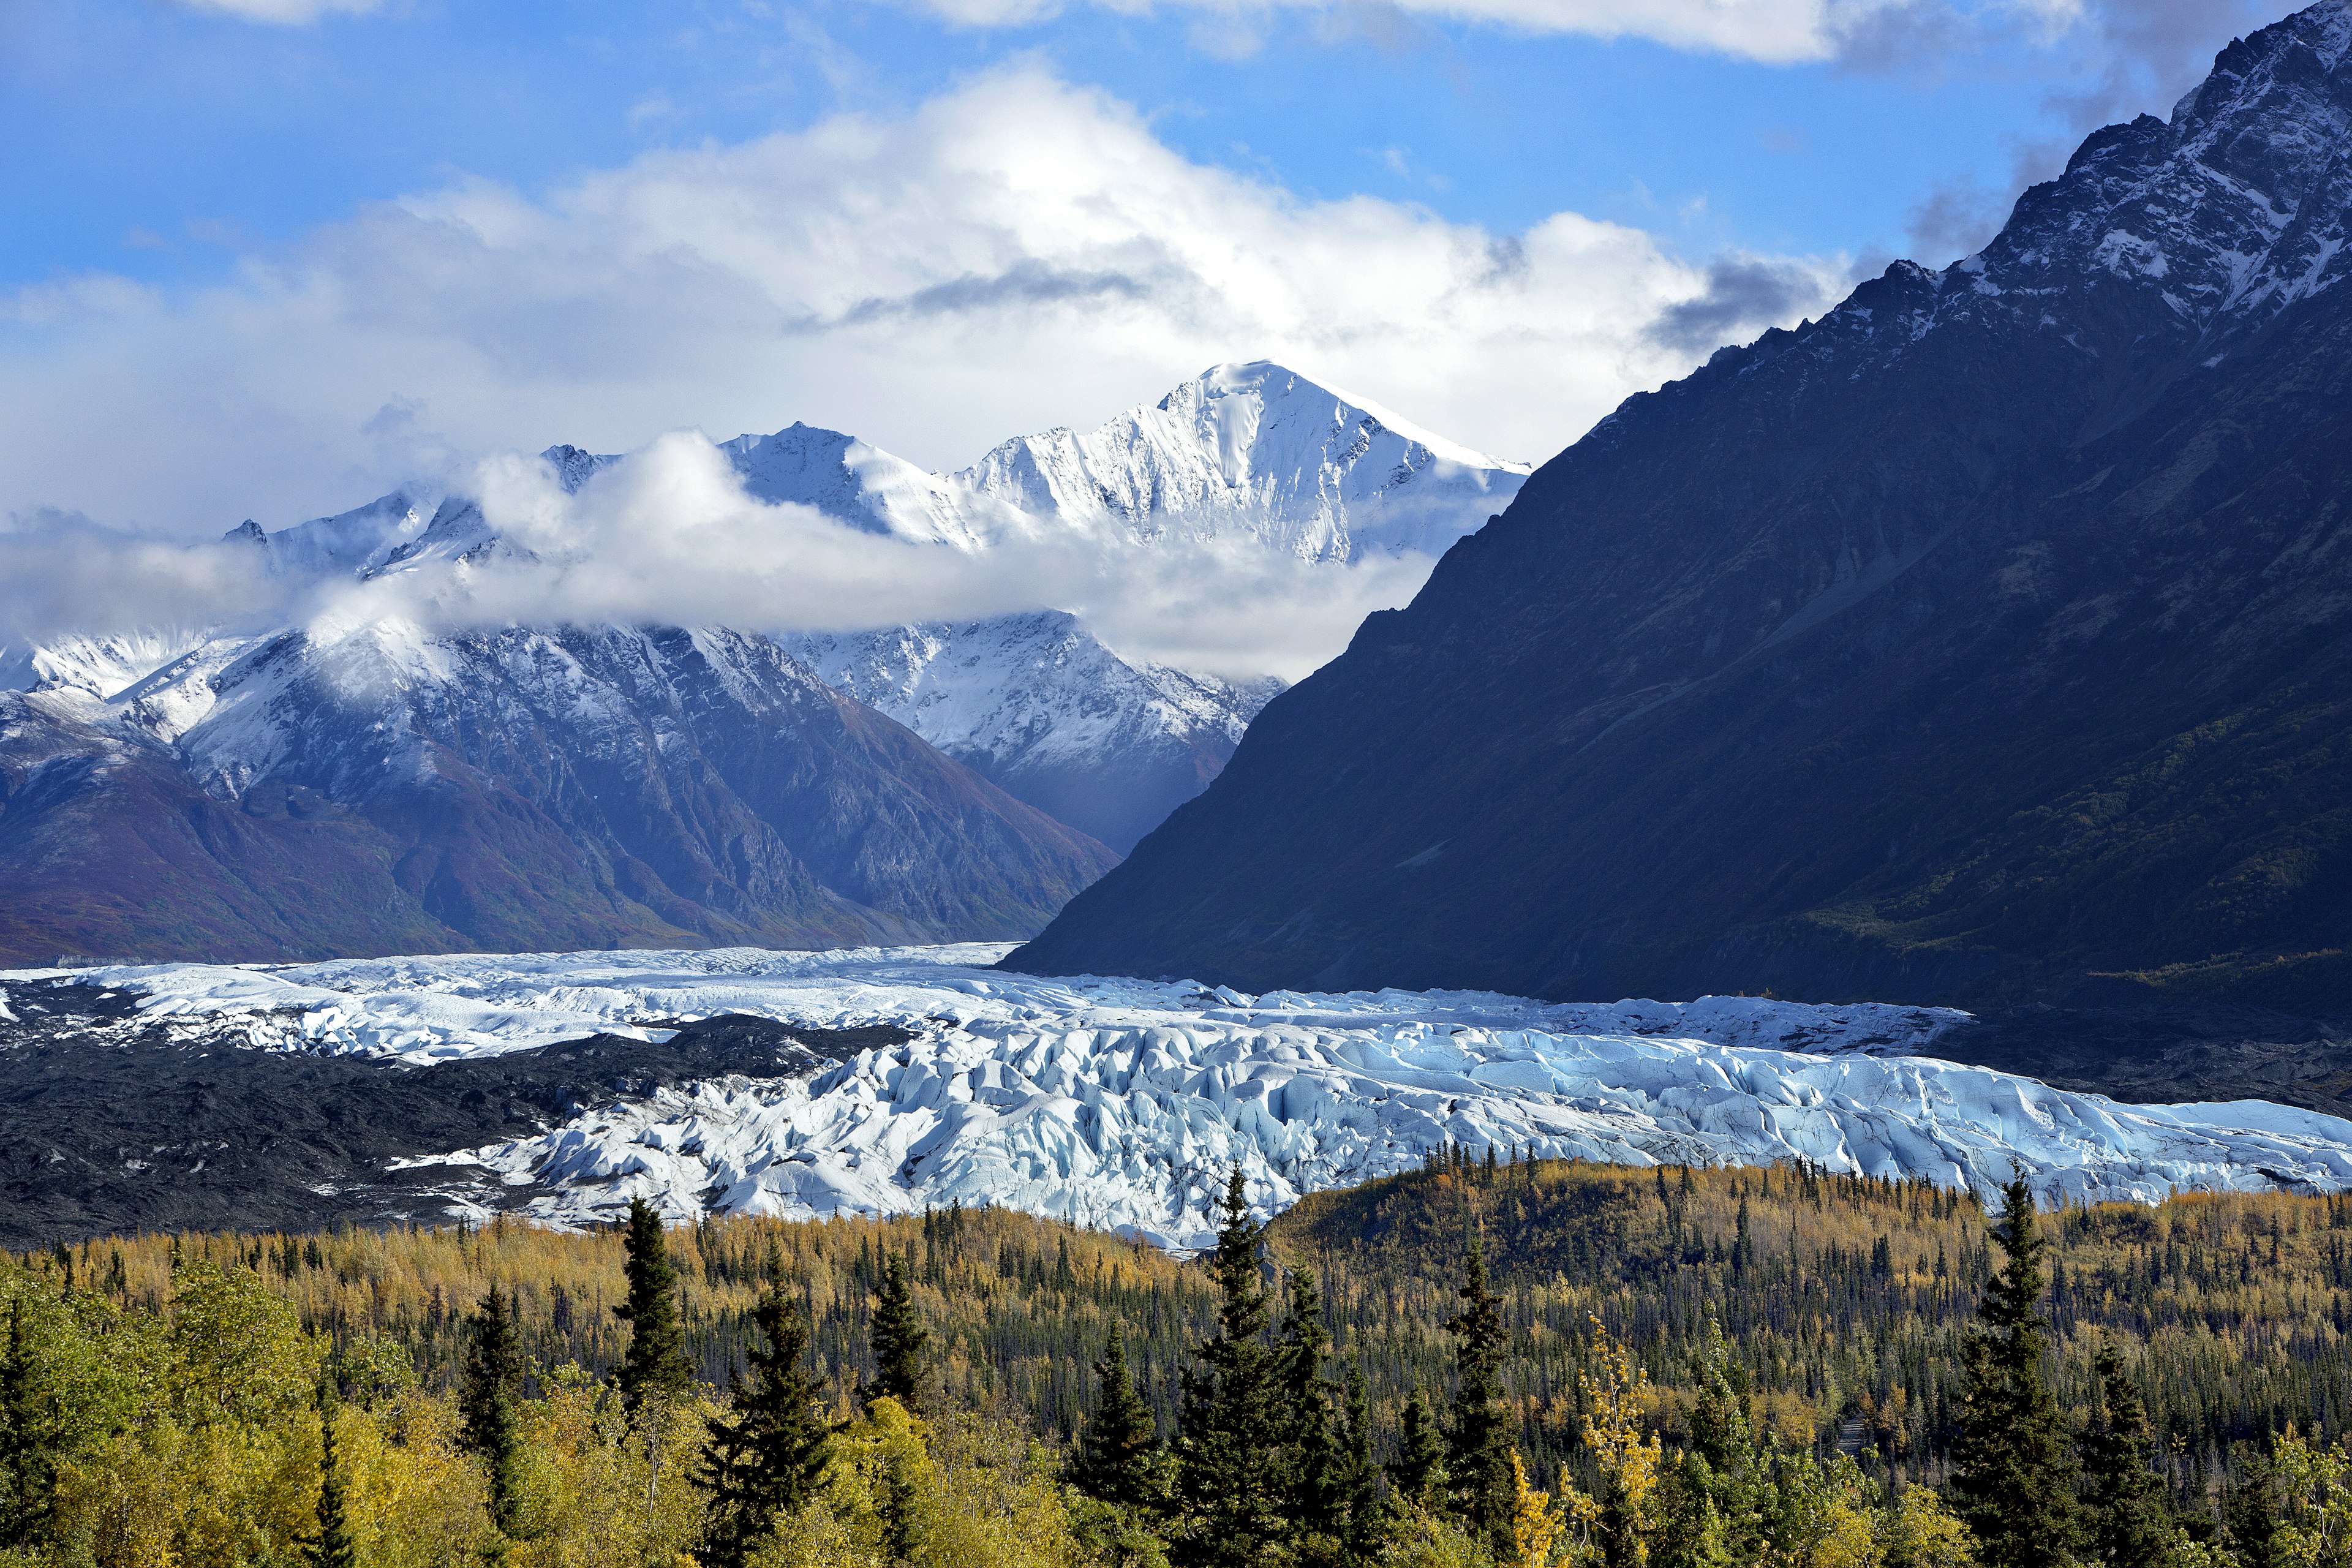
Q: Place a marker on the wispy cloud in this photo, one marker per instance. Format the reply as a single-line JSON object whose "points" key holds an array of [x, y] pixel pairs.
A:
{"points": [[1776, 31], [2138, 57], [283, 13]]}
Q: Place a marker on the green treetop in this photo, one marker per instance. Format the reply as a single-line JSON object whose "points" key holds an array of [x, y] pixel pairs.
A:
{"points": [[2010, 1464], [1479, 1440], [897, 1339], [655, 1362], [764, 1456], [487, 1398]]}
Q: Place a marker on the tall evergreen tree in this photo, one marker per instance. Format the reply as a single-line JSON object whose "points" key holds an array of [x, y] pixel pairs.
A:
{"points": [[1725, 1436], [488, 1391], [898, 1338], [1418, 1474], [28, 1440], [2129, 1525], [1311, 1456], [1478, 1437], [335, 1547], [1228, 1438], [2009, 1462], [2251, 1511], [1363, 1529], [655, 1364], [1118, 1456], [1690, 1532], [765, 1455]]}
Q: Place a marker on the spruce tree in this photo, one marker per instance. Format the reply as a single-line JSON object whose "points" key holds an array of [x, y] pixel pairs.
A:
{"points": [[2129, 1525], [655, 1364], [765, 1455], [1228, 1492], [1311, 1456], [1478, 1437], [1363, 1529], [2010, 1463], [335, 1547], [1419, 1471], [2251, 1512], [1725, 1436], [28, 1440], [488, 1391], [1690, 1532], [1118, 1456], [897, 1337]]}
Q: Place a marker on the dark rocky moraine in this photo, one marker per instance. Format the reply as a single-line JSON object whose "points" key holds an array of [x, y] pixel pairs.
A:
{"points": [[109, 1124]]}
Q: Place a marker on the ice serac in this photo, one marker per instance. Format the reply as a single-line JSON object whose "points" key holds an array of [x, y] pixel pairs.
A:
{"points": [[1123, 1103], [1039, 706], [1985, 641], [379, 787]]}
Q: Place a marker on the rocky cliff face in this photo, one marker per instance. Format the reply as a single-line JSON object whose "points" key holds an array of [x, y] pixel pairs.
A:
{"points": [[1989, 639]]}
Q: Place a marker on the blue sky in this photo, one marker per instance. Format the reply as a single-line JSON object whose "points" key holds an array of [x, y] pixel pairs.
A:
{"points": [[232, 220]]}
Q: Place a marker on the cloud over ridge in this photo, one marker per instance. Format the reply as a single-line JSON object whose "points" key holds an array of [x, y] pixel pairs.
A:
{"points": [[1016, 254]]}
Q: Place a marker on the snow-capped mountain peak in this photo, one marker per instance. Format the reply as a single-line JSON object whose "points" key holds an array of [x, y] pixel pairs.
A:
{"points": [[1253, 451]]}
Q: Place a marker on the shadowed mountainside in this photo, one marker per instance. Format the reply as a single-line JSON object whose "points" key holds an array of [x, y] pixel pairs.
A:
{"points": [[1988, 641]]}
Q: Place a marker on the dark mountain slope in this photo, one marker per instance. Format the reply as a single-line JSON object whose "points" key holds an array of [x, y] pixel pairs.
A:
{"points": [[515, 790], [1989, 639]]}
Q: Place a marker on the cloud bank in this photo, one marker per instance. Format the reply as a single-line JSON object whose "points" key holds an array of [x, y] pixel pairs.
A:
{"points": [[669, 537], [1016, 255]]}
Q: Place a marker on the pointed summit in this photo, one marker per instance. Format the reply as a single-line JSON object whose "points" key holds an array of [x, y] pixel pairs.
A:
{"points": [[1256, 450], [1248, 450]]}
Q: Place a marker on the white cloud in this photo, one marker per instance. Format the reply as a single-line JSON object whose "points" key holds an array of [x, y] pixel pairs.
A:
{"points": [[1777, 31], [1013, 256], [283, 13], [670, 536]]}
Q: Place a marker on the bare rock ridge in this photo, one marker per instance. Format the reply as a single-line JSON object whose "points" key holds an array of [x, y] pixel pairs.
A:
{"points": [[1986, 641]]}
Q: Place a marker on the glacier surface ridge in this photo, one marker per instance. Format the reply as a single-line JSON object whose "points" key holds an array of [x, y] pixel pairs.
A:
{"points": [[1121, 1103]]}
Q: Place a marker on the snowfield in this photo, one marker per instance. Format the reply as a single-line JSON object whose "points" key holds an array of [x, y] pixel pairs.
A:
{"points": [[1121, 1103]]}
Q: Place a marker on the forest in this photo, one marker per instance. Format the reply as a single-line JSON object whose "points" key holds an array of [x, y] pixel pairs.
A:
{"points": [[1488, 1361]]}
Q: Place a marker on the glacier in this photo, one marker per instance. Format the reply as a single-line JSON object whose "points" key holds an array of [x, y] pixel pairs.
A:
{"points": [[1121, 1103]]}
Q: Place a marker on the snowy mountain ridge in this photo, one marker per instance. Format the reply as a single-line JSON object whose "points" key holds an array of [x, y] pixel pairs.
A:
{"points": [[1042, 708], [2235, 208], [1121, 1102], [367, 784], [1253, 451], [1033, 700]]}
